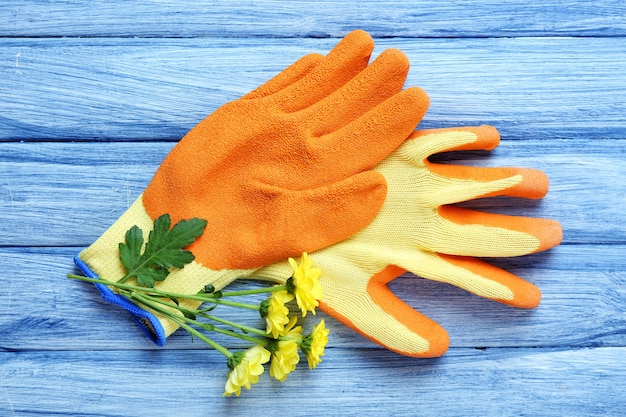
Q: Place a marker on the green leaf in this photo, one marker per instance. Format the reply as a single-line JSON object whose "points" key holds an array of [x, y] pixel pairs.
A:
{"points": [[189, 314], [130, 252], [147, 276], [163, 251], [164, 247]]}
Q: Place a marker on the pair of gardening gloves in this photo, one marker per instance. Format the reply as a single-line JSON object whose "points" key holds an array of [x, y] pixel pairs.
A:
{"points": [[324, 158]]}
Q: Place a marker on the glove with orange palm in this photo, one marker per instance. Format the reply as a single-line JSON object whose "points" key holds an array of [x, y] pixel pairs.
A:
{"points": [[418, 231], [285, 169]]}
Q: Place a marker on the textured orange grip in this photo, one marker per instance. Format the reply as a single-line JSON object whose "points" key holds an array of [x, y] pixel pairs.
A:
{"points": [[287, 168]]}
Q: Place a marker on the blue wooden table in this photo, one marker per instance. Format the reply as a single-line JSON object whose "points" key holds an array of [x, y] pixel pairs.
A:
{"points": [[94, 94]]}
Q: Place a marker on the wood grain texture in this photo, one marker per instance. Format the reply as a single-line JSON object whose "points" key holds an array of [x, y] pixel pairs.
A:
{"points": [[468, 382], [94, 94], [272, 18], [157, 89]]}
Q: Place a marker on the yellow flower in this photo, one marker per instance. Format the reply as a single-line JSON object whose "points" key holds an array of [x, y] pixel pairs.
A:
{"points": [[245, 368], [306, 285], [313, 345], [285, 356], [275, 313]]}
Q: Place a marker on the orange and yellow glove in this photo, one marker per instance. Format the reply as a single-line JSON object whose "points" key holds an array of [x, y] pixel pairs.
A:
{"points": [[418, 230], [283, 170]]}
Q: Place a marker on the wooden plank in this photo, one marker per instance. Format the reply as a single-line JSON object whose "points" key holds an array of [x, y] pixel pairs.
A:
{"points": [[427, 18], [157, 89], [67, 194], [548, 75], [582, 305], [502, 382]]}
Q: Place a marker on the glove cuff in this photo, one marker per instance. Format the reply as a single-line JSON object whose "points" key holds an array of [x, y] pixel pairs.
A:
{"points": [[102, 260], [103, 256], [150, 325]]}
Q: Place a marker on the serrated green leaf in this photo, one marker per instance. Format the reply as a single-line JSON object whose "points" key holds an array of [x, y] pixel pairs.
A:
{"points": [[146, 277], [164, 249], [130, 251]]}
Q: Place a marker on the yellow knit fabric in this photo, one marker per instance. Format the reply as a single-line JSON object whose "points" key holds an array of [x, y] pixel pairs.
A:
{"points": [[408, 232]]}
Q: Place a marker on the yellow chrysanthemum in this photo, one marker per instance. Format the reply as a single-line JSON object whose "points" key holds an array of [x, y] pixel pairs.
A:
{"points": [[313, 345], [306, 284], [285, 356], [275, 312], [246, 369]]}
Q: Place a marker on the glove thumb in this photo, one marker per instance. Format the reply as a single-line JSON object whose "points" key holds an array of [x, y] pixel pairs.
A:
{"points": [[370, 308]]}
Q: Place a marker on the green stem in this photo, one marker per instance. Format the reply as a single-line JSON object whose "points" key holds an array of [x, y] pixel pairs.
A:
{"points": [[155, 291], [240, 336], [156, 305], [124, 279], [236, 325], [197, 297], [144, 295], [180, 320], [254, 307], [255, 291], [217, 320], [145, 299], [204, 338]]}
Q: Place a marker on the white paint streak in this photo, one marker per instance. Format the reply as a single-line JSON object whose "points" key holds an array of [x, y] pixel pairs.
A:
{"points": [[6, 393]]}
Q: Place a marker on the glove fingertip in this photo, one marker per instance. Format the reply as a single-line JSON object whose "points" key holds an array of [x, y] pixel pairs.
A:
{"points": [[534, 185], [489, 281], [529, 297], [488, 137], [550, 234], [421, 337], [357, 39]]}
